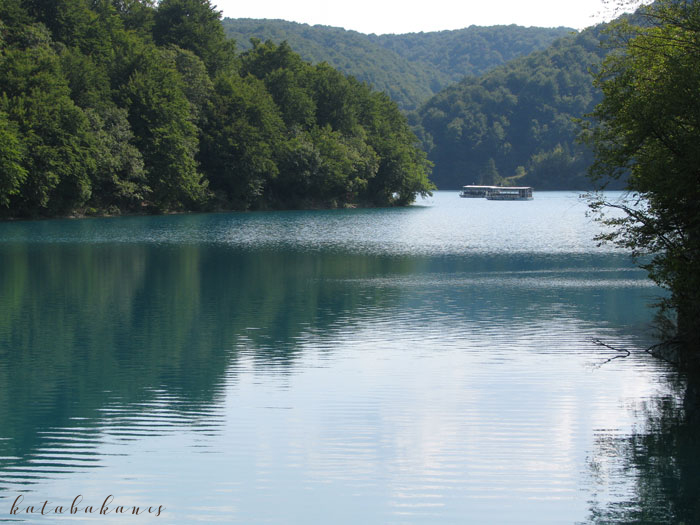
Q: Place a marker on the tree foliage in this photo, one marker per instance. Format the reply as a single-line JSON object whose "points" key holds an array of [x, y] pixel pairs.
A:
{"points": [[12, 173], [129, 105], [517, 119], [648, 130], [163, 122], [55, 157], [239, 144], [410, 67], [336, 116], [194, 25]]}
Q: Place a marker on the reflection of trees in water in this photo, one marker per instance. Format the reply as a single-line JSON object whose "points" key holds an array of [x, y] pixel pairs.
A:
{"points": [[663, 458], [74, 338], [89, 326]]}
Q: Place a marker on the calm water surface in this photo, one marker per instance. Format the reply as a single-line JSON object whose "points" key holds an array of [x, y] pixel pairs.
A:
{"points": [[434, 364]]}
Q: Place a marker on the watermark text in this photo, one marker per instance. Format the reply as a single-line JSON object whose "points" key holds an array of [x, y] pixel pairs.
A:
{"points": [[49, 508]]}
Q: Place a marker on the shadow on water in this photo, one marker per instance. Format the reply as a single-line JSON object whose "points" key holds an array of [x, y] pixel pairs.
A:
{"points": [[662, 457]]}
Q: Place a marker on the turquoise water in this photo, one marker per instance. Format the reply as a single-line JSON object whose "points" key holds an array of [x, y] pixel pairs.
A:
{"points": [[433, 364]]}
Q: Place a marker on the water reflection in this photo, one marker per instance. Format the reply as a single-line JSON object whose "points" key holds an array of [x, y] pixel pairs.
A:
{"points": [[661, 456], [82, 326], [250, 383]]}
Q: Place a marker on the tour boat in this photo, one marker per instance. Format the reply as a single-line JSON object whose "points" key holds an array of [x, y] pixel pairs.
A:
{"points": [[510, 193], [497, 193], [475, 192]]}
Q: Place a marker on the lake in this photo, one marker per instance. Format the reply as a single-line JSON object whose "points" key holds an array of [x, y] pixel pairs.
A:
{"points": [[430, 364]]}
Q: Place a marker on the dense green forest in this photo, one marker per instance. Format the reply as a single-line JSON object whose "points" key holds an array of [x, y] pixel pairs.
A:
{"points": [[410, 68], [517, 123], [121, 106], [509, 112]]}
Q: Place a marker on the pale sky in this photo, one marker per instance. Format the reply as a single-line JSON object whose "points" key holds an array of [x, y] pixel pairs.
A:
{"points": [[412, 16]]}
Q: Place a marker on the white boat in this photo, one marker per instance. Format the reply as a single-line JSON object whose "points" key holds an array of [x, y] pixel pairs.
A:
{"points": [[497, 193], [475, 192], [510, 193]]}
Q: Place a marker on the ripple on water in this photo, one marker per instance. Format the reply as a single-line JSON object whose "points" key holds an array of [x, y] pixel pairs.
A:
{"points": [[422, 365]]}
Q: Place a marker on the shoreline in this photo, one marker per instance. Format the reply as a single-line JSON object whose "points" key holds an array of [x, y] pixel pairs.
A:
{"points": [[107, 215]]}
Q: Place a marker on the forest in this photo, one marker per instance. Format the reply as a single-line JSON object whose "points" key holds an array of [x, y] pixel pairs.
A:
{"points": [[411, 67], [122, 106], [517, 123], [491, 105]]}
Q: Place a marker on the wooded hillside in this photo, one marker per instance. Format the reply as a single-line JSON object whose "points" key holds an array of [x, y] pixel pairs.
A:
{"points": [[410, 68], [120, 106], [516, 124]]}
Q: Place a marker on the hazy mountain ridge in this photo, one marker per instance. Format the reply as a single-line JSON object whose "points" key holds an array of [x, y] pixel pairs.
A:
{"points": [[410, 68]]}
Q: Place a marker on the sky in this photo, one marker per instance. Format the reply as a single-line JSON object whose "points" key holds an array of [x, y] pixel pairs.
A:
{"points": [[412, 16]]}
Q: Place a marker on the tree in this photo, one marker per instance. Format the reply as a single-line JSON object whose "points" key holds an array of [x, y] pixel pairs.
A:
{"points": [[334, 99], [12, 174], [286, 77], [239, 140], [196, 26], [403, 171], [56, 162], [647, 128], [161, 118], [120, 179], [136, 15]]}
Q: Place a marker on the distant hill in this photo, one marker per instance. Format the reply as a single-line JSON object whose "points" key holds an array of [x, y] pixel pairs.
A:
{"points": [[410, 68], [515, 123]]}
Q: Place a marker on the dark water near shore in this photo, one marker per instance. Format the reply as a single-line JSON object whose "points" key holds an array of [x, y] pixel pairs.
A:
{"points": [[434, 364]]}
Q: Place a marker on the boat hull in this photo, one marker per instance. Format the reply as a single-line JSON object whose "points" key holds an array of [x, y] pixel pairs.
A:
{"points": [[507, 198]]}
